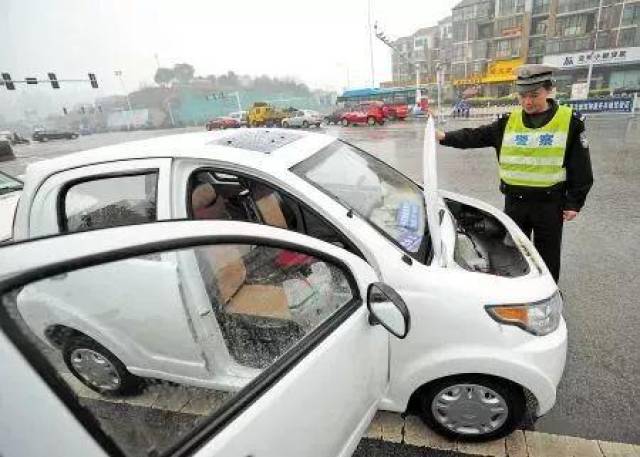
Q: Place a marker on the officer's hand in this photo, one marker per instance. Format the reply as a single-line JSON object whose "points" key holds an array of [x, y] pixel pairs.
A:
{"points": [[440, 135], [569, 215]]}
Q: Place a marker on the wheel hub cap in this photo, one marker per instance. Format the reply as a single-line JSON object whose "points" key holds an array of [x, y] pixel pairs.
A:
{"points": [[470, 409], [95, 369]]}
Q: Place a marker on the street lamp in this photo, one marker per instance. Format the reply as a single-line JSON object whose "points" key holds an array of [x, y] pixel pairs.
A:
{"points": [[381, 36]]}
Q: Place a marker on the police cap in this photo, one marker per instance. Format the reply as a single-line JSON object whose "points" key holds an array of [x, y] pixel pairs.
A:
{"points": [[532, 76]]}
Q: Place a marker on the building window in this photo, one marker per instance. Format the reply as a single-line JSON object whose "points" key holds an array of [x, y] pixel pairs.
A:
{"points": [[479, 68], [485, 31], [536, 46], [479, 50], [541, 6], [459, 52], [460, 32], [628, 37], [539, 26], [458, 70], [506, 23], [575, 25], [506, 49], [566, 6], [631, 15], [419, 43], [508, 7]]}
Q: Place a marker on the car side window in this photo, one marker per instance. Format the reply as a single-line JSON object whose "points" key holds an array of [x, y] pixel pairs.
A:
{"points": [[108, 201], [266, 299], [168, 344], [216, 195]]}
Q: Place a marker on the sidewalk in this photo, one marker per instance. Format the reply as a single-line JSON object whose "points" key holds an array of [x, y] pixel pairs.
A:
{"points": [[393, 428]]}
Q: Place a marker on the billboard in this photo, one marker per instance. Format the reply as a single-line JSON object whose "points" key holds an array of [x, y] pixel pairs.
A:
{"points": [[600, 57]]}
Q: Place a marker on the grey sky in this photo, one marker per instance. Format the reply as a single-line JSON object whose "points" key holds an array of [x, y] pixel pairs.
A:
{"points": [[313, 41]]}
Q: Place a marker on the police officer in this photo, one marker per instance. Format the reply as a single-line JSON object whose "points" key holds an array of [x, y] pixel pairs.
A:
{"points": [[543, 155]]}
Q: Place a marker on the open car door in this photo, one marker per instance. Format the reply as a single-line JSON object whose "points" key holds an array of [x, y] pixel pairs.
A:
{"points": [[303, 322]]}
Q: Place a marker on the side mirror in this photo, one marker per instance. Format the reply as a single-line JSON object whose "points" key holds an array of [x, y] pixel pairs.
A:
{"points": [[388, 309]]}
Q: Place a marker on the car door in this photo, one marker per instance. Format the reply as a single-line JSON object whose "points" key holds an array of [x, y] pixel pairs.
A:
{"points": [[323, 389]]}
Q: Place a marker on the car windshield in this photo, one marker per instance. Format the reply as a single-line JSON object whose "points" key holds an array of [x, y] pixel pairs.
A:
{"points": [[9, 183], [390, 201]]}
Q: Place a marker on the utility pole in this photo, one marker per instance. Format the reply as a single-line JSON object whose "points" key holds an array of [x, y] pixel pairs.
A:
{"points": [[595, 46], [373, 80], [381, 36], [118, 73]]}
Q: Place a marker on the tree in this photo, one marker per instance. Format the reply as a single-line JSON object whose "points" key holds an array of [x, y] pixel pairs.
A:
{"points": [[164, 76], [183, 72]]}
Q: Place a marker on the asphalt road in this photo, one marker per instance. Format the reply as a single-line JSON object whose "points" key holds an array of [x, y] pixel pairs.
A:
{"points": [[599, 396]]}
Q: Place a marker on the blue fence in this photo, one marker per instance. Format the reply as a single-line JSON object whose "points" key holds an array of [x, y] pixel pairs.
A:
{"points": [[600, 105]]}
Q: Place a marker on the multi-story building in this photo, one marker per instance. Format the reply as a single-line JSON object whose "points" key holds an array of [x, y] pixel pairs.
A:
{"points": [[483, 42], [603, 33]]}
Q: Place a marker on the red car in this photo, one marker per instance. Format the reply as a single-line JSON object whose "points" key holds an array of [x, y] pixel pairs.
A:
{"points": [[223, 122], [399, 111], [370, 114]]}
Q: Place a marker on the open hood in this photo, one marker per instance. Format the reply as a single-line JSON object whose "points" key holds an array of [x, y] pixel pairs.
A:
{"points": [[430, 186]]}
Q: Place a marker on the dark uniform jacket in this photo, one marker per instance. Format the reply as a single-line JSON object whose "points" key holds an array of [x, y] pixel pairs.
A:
{"points": [[577, 161]]}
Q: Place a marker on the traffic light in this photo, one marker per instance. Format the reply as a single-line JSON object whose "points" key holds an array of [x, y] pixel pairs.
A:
{"points": [[8, 82], [54, 81], [93, 80], [64, 110]]}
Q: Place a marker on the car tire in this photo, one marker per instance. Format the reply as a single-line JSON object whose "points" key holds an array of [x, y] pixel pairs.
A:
{"points": [[97, 368], [44, 139], [381, 122], [318, 124], [345, 122], [208, 127], [371, 121], [469, 395], [285, 125], [305, 124], [74, 136]]}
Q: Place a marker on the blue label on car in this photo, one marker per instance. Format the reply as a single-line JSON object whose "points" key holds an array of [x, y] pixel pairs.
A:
{"points": [[408, 216]]}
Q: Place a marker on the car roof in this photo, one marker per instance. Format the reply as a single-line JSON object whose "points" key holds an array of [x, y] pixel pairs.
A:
{"points": [[254, 148]]}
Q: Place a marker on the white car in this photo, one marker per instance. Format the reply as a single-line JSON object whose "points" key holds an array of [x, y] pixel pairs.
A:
{"points": [[240, 116], [487, 340], [303, 118]]}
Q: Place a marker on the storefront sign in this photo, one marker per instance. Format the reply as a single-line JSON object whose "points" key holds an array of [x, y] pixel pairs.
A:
{"points": [[600, 57], [621, 105], [502, 71]]}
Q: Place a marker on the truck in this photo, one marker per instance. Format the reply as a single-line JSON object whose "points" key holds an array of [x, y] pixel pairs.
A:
{"points": [[262, 114]]}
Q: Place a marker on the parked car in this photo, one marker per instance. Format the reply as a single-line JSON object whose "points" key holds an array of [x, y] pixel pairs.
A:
{"points": [[6, 150], [335, 117], [395, 111], [223, 122], [487, 331], [370, 114], [241, 117], [46, 135], [14, 138], [303, 118]]}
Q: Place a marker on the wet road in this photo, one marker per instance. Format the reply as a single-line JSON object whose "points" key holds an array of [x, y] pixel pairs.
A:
{"points": [[599, 397]]}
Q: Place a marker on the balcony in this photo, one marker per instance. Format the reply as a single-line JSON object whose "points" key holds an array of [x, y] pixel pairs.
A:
{"points": [[576, 6], [567, 45]]}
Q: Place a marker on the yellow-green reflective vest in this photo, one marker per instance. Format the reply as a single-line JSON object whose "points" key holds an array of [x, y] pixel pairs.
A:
{"points": [[534, 157]]}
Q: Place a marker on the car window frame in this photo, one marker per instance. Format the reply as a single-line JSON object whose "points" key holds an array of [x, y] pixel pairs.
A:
{"points": [[210, 426], [302, 207], [62, 195]]}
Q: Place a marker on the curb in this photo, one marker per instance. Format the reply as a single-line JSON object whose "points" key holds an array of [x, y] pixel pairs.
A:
{"points": [[394, 428], [385, 426]]}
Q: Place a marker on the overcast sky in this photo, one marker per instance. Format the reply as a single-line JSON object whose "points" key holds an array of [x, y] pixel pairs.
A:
{"points": [[317, 42]]}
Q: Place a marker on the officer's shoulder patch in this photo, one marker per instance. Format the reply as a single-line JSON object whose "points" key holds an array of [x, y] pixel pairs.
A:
{"points": [[504, 116]]}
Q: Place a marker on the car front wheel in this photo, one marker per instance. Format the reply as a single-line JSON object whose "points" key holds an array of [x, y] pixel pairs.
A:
{"points": [[371, 120], [472, 408], [345, 122], [98, 368]]}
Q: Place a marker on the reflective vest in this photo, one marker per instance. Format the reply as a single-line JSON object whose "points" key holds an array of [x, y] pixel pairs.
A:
{"points": [[534, 157]]}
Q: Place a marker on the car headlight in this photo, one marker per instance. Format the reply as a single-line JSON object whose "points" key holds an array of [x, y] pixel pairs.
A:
{"points": [[539, 318]]}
